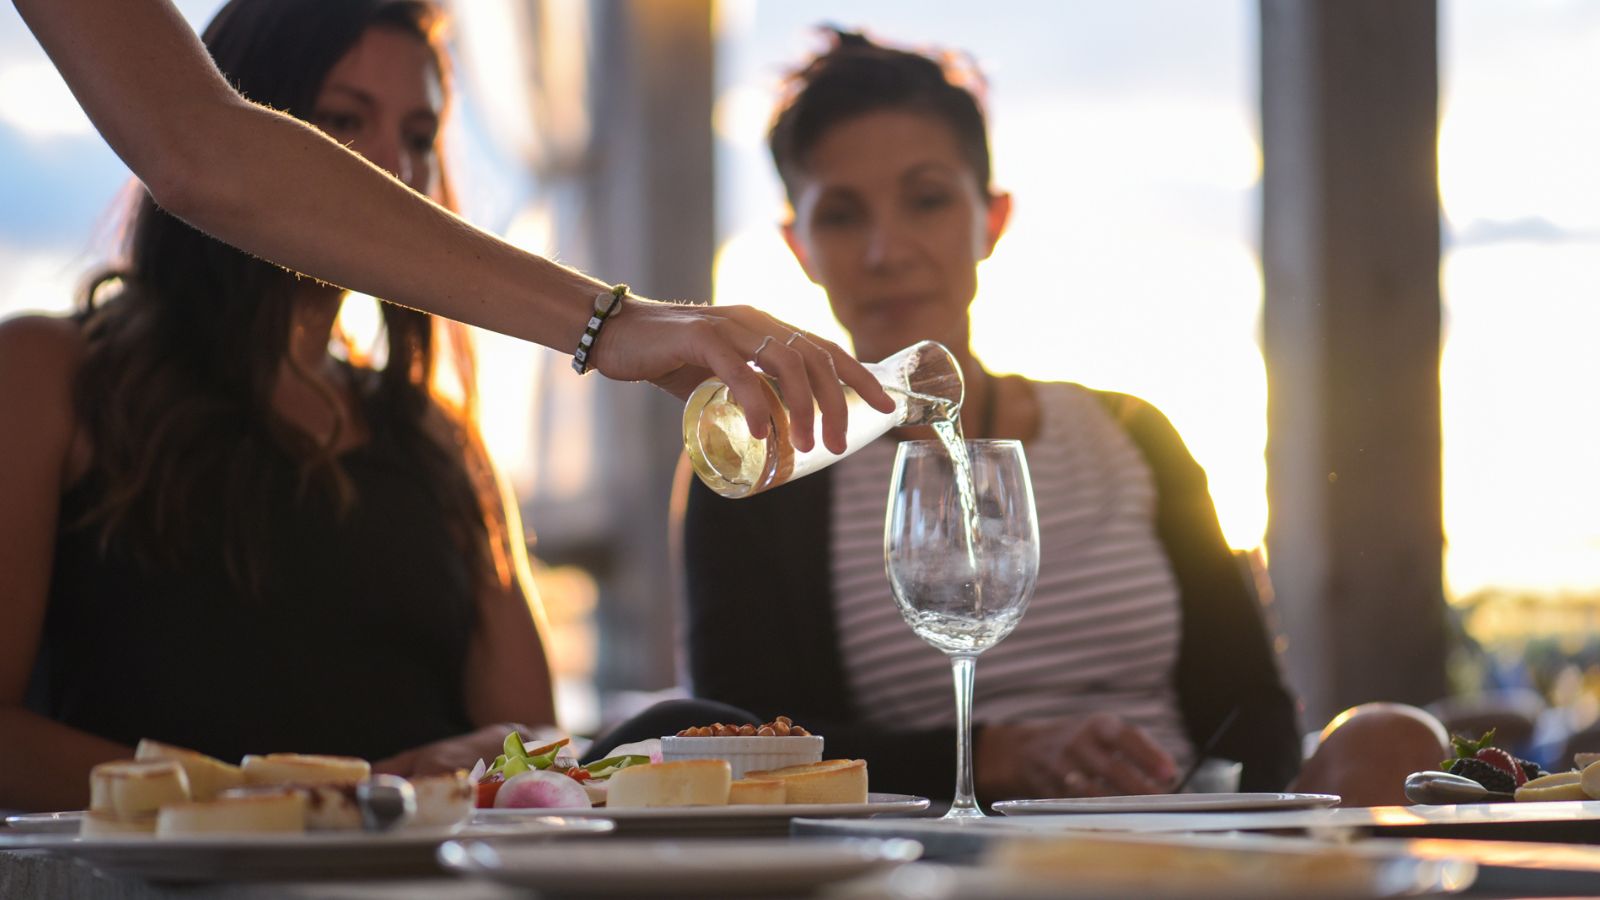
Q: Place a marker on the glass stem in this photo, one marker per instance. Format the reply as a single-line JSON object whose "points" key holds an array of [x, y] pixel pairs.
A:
{"points": [[964, 805]]}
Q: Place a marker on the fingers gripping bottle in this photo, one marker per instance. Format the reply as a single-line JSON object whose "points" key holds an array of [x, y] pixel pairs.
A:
{"points": [[924, 380]]}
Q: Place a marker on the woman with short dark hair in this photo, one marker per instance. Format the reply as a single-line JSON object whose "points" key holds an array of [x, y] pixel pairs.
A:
{"points": [[1141, 640]]}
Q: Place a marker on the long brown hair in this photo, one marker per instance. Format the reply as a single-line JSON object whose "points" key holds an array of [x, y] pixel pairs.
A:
{"points": [[176, 386]]}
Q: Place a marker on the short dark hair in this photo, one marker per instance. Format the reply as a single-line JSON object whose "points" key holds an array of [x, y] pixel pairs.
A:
{"points": [[857, 75]]}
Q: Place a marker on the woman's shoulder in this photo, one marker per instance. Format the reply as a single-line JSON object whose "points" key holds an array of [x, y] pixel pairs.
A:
{"points": [[36, 350], [39, 358], [1131, 413], [1072, 410]]}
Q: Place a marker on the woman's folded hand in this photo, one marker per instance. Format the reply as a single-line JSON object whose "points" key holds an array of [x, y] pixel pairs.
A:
{"points": [[1098, 755], [450, 754]]}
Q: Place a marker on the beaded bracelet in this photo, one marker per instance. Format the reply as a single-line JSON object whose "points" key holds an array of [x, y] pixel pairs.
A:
{"points": [[606, 304]]}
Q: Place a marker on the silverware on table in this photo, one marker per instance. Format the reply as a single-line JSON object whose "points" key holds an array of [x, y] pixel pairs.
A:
{"points": [[1442, 788], [386, 801]]}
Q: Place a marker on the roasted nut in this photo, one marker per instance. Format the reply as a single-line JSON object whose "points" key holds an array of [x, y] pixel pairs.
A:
{"points": [[782, 726]]}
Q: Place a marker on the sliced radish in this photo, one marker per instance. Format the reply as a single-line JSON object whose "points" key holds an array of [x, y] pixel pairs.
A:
{"points": [[540, 789]]}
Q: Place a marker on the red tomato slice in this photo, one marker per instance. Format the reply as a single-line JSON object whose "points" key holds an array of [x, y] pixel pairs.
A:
{"points": [[487, 791]]}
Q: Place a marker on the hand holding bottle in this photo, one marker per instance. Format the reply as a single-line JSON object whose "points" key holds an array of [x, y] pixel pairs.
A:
{"points": [[678, 346], [922, 382]]}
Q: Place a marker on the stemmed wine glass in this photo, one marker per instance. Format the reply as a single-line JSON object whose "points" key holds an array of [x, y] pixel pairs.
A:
{"points": [[962, 561]]}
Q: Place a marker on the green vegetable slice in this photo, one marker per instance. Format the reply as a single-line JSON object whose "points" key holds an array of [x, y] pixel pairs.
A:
{"points": [[604, 768]]}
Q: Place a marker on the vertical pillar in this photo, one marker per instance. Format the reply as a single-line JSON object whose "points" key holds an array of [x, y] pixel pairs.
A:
{"points": [[1350, 248], [650, 206]]}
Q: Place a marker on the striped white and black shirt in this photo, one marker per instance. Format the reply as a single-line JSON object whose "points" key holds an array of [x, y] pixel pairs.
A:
{"points": [[1101, 632]]}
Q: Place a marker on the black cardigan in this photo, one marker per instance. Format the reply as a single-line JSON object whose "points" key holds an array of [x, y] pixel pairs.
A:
{"points": [[761, 633]]}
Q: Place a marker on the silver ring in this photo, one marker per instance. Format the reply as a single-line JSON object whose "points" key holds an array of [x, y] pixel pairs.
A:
{"points": [[756, 356], [798, 335]]}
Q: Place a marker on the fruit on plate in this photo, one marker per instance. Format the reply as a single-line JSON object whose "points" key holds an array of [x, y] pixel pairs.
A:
{"points": [[1493, 767], [1560, 786]]}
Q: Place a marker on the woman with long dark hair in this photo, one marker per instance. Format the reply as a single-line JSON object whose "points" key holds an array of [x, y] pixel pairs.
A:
{"points": [[230, 529]]}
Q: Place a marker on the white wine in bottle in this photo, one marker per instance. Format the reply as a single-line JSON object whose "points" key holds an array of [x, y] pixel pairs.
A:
{"points": [[924, 381]]}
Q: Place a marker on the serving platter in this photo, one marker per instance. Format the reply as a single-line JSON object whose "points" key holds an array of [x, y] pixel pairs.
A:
{"points": [[732, 821], [324, 854]]}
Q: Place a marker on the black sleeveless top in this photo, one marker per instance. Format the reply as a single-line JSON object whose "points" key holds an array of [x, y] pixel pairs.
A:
{"points": [[354, 645]]}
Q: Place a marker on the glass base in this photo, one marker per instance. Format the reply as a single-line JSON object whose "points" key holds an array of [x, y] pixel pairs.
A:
{"points": [[964, 812]]}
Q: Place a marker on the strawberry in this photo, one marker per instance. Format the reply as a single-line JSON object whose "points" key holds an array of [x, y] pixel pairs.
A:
{"points": [[1503, 761]]}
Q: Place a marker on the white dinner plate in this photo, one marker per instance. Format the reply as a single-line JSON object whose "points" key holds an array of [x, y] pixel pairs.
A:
{"points": [[666, 868], [327, 854], [731, 821], [1164, 803]]}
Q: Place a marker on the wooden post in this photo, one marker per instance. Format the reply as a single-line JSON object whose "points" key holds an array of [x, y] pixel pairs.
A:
{"points": [[1350, 248]]}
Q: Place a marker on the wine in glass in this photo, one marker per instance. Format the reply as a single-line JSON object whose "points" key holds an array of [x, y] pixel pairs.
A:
{"points": [[961, 546]]}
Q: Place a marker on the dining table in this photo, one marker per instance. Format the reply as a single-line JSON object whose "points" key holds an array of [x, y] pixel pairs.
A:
{"points": [[1471, 850]]}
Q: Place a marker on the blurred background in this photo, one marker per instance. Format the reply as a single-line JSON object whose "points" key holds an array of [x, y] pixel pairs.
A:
{"points": [[627, 138]]}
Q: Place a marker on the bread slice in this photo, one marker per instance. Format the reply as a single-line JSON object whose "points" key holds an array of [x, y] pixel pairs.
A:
{"points": [[208, 776], [688, 782], [98, 825], [443, 801], [329, 807], [128, 789], [282, 812], [757, 792], [829, 781], [300, 768]]}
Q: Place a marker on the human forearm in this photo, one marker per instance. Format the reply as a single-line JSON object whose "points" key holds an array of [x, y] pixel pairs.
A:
{"points": [[334, 215], [270, 184], [275, 187], [507, 676], [45, 765]]}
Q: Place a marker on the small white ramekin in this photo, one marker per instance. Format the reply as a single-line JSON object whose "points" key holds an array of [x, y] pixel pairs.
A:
{"points": [[746, 753]]}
